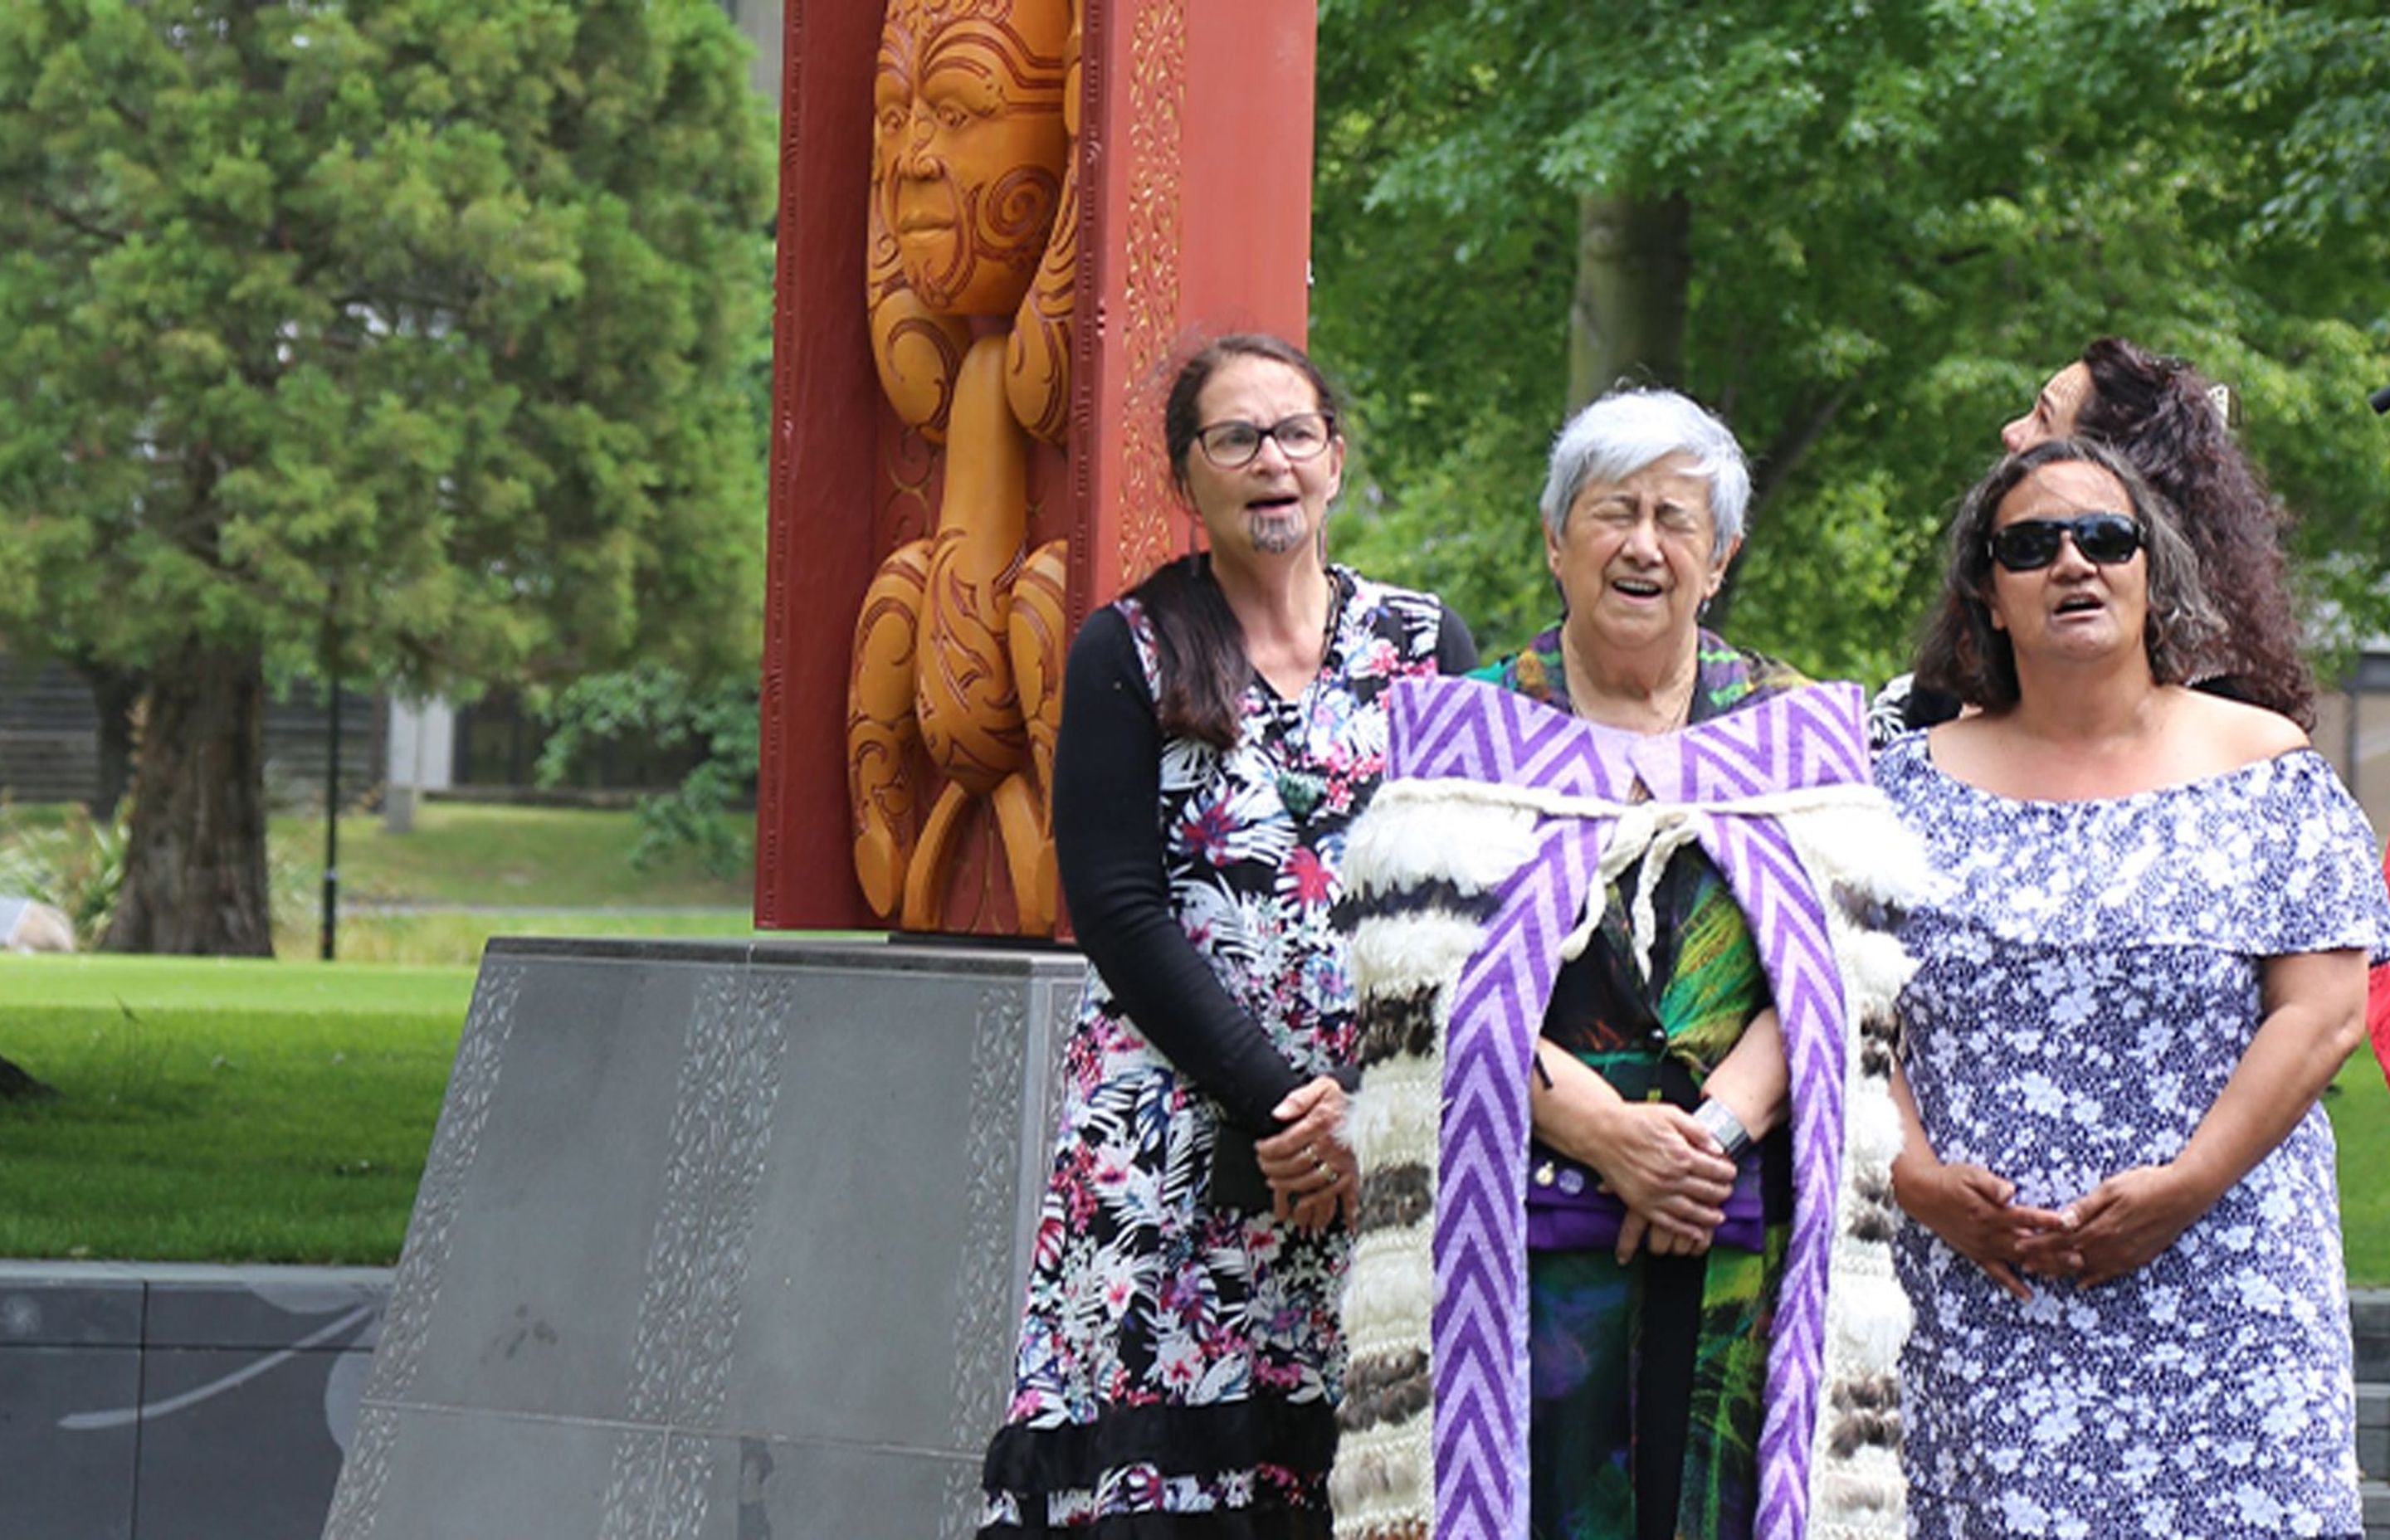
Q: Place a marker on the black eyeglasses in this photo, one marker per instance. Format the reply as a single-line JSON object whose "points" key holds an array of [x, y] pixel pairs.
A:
{"points": [[1300, 437], [2029, 545]]}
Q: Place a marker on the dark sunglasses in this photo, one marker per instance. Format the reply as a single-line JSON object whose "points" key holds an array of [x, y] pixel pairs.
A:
{"points": [[2029, 545]]}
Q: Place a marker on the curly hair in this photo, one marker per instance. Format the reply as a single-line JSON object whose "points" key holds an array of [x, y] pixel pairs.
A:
{"points": [[2161, 415], [1966, 655]]}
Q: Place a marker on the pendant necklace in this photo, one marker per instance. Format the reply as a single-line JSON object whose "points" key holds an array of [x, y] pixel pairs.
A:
{"points": [[1302, 791]]}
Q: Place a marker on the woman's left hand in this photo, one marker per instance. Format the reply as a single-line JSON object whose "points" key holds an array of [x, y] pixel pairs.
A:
{"points": [[1310, 1170], [2119, 1226], [1636, 1232]]}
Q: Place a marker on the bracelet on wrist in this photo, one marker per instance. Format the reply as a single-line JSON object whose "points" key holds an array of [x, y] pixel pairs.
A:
{"points": [[1719, 1121]]}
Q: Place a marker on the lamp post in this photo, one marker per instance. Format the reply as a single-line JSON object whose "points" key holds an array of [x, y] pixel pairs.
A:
{"points": [[331, 775]]}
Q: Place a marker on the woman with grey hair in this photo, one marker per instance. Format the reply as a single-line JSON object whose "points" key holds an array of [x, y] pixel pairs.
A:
{"points": [[1661, 1182]]}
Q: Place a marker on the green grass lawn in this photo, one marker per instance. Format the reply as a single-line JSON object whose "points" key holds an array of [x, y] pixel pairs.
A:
{"points": [[514, 857], [454, 937], [219, 1111], [2360, 1119], [254, 1111], [469, 871]]}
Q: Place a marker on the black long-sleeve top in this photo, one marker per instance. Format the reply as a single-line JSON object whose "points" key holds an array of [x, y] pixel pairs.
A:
{"points": [[1109, 844]]}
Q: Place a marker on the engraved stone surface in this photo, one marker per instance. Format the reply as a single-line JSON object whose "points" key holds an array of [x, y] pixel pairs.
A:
{"points": [[457, 1476], [782, 1490], [734, 1231], [167, 1401], [77, 1485]]}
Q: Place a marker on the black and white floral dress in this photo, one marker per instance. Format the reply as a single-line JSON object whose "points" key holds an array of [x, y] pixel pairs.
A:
{"points": [[1178, 1358]]}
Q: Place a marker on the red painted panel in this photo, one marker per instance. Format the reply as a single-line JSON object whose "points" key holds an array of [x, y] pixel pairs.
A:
{"points": [[1195, 147]]}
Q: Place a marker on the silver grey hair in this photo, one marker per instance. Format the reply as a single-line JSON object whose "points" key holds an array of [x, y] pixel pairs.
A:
{"points": [[1628, 429]]}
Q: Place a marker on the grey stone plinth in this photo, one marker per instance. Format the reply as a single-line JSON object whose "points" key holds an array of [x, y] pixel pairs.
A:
{"points": [[2369, 1325], [2373, 1431], [169, 1401], [62, 1483], [715, 1241]]}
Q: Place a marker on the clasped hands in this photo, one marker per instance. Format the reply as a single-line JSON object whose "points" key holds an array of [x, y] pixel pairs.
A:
{"points": [[2119, 1226], [1309, 1168], [1668, 1172]]}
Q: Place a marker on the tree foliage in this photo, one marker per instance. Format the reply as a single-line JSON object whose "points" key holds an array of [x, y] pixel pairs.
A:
{"points": [[665, 710], [1902, 219], [424, 330]]}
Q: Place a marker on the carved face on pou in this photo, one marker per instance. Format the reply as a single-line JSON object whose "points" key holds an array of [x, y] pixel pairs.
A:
{"points": [[968, 145]]}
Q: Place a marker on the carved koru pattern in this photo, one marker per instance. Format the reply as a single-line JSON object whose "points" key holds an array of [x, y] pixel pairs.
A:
{"points": [[1157, 101], [987, 1312], [455, 1144], [357, 1502], [955, 659], [726, 1091]]}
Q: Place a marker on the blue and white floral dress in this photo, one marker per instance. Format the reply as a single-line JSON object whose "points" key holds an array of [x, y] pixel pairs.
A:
{"points": [[2089, 982]]}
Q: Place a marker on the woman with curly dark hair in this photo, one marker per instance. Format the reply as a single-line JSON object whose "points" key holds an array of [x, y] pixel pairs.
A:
{"points": [[2144, 963], [2169, 423]]}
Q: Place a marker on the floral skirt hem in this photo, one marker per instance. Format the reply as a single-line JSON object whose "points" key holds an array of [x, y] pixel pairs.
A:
{"points": [[1272, 1523], [1247, 1469]]}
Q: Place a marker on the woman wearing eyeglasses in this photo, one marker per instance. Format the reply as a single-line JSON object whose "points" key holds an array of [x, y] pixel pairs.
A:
{"points": [[1222, 726], [2148, 962]]}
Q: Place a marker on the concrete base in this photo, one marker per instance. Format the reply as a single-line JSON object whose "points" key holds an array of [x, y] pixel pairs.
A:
{"points": [[164, 1402], [716, 1242]]}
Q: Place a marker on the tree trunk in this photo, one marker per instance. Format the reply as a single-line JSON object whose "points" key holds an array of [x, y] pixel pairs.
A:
{"points": [[115, 695], [1627, 321], [195, 863]]}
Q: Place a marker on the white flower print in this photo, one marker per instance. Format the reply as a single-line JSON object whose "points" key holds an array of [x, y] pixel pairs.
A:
{"points": [[2089, 981], [1142, 1297]]}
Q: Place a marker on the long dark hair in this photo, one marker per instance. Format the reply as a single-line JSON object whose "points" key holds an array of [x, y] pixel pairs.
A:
{"points": [[1965, 654], [1198, 648], [2162, 416]]}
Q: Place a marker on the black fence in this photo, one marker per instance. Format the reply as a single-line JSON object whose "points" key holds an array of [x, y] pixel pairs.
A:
{"points": [[49, 739]]}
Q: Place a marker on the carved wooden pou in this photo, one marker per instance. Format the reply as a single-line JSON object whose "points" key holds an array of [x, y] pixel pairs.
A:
{"points": [[971, 267], [960, 472]]}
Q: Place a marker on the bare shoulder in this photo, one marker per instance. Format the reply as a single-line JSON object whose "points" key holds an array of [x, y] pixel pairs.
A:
{"points": [[1967, 747], [2229, 734]]}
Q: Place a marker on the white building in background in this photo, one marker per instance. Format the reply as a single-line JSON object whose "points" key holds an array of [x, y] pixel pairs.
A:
{"points": [[422, 758], [760, 20]]}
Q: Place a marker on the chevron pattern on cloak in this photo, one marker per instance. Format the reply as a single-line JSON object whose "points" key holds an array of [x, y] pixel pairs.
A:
{"points": [[1464, 731], [1788, 922], [1481, 1253]]}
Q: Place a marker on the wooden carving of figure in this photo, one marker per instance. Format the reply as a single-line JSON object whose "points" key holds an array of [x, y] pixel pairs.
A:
{"points": [[958, 648]]}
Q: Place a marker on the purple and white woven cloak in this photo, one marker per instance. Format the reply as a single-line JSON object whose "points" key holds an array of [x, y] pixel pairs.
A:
{"points": [[1500, 822]]}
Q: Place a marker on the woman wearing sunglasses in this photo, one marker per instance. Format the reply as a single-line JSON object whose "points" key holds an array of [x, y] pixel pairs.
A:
{"points": [[1223, 723], [2148, 962], [2170, 422], [2173, 426]]}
